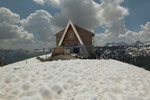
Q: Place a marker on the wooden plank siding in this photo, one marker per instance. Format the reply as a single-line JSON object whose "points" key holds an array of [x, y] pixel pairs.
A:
{"points": [[85, 35], [68, 40]]}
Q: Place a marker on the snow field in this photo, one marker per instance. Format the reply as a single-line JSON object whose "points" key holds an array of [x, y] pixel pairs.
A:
{"points": [[74, 80]]}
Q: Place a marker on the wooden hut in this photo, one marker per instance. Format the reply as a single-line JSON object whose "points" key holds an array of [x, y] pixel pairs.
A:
{"points": [[74, 40]]}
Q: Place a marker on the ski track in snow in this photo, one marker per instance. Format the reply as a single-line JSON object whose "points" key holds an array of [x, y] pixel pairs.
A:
{"points": [[74, 80]]}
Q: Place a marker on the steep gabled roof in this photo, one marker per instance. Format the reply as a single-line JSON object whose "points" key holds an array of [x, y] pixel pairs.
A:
{"points": [[78, 28], [74, 29]]}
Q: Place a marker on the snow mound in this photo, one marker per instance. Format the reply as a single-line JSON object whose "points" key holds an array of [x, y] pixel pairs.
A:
{"points": [[74, 80]]}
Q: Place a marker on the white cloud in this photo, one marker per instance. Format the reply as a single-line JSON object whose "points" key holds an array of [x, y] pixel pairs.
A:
{"points": [[8, 25], [6, 16], [111, 12], [81, 12], [40, 24], [34, 32], [89, 14], [116, 28], [128, 36], [85, 13], [142, 35], [10, 32], [111, 1], [41, 2], [146, 27], [53, 3]]}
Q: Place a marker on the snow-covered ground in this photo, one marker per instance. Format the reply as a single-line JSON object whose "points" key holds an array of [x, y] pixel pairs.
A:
{"points": [[74, 80]]}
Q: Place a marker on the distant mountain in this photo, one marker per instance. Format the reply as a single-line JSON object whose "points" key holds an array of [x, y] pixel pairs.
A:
{"points": [[137, 53], [11, 56], [117, 44], [147, 44], [138, 43]]}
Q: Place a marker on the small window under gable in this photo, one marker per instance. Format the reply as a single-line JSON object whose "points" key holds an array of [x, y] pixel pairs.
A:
{"points": [[71, 35]]}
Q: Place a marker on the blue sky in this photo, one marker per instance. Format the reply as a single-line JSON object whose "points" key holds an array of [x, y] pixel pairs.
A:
{"points": [[138, 9], [139, 13], [25, 7], [132, 19]]}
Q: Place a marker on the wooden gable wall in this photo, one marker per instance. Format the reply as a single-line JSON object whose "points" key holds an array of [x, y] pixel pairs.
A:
{"points": [[70, 40]]}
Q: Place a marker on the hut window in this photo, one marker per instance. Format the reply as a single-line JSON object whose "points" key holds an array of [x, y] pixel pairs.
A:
{"points": [[71, 36]]}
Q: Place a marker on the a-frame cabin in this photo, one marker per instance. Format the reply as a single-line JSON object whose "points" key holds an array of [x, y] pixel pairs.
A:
{"points": [[74, 40]]}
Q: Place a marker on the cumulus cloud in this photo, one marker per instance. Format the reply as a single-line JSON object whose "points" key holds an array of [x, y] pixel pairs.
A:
{"points": [[111, 11], [81, 12], [36, 31], [142, 35], [128, 36], [116, 28], [113, 18], [6, 16], [41, 2], [7, 23], [87, 14], [53, 3], [40, 24], [10, 31], [146, 27]]}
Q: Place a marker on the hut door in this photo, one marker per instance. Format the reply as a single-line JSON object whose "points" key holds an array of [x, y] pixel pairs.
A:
{"points": [[76, 50]]}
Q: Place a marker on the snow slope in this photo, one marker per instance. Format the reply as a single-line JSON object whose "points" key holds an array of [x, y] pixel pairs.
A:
{"points": [[74, 80]]}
